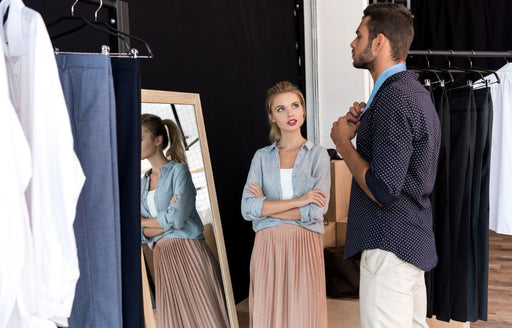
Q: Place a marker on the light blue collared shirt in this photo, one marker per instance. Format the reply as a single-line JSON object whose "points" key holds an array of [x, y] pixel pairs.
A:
{"points": [[310, 171], [179, 220], [381, 79]]}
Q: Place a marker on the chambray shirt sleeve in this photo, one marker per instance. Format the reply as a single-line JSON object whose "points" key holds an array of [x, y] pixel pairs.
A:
{"points": [[252, 205], [392, 150], [321, 179], [143, 238], [174, 217]]}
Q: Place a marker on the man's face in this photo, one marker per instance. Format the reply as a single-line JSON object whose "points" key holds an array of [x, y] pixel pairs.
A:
{"points": [[362, 48]]}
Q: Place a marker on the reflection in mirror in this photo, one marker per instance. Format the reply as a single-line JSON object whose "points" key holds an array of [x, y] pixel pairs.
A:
{"points": [[183, 260]]}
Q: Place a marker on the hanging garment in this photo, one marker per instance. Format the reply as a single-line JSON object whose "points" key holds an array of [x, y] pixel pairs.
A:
{"points": [[500, 185], [457, 287], [88, 89], [128, 109], [17, 172], [440, 208], [478, 260], [57, 177]]}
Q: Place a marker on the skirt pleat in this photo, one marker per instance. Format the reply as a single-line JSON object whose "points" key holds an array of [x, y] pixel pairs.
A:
{"points": [[188, 285], [287, 279]]}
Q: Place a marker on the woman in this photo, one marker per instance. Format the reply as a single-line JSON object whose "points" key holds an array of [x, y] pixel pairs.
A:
{"points": [[187, 278], [285, 197]]}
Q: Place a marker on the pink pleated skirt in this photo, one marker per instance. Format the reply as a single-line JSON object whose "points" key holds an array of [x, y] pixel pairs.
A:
{"points": [[188, 285], [287, 279]]}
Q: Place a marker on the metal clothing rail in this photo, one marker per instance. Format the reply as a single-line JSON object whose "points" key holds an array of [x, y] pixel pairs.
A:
{"points": [[452, 53]]}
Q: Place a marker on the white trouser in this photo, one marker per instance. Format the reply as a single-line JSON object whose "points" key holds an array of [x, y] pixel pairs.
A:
{"points": [[392, 292]]}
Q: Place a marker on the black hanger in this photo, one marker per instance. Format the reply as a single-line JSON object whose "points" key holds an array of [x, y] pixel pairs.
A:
{"points": [[99, 26], [83, 23], [429, 71], [481, 71]]}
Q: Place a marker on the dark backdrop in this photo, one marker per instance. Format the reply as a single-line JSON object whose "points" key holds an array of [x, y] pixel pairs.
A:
{"points": [[480, 25], [229, 52]]}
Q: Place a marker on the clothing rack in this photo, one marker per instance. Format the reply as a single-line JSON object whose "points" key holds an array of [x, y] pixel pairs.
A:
{"points": [[451, 53], [467, 54]]}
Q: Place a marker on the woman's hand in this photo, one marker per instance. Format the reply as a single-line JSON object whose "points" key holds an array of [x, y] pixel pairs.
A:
{"points": [[315, 196], [255, 189]]}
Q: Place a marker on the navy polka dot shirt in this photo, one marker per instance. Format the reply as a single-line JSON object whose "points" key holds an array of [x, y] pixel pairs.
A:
{"points": [[400, 137]]}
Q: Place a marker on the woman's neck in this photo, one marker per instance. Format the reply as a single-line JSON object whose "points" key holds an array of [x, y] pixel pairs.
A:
{"points": [[157, 163], [290, 142]]}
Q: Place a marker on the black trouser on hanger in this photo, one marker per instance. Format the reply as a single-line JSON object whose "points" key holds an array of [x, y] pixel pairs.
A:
{"points": [[127, 87], [440, 209], [479, 251]]}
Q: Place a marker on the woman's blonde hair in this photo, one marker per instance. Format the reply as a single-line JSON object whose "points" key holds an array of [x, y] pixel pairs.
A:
{"points": [[171, 136], [277, 89]]}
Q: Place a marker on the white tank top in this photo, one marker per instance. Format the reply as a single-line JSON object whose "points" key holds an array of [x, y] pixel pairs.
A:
{"points": [[151, 203], [286, 183]]}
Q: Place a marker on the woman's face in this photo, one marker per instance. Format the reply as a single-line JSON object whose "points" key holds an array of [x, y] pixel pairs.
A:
{"points": [[148, 146], [287, 112]]}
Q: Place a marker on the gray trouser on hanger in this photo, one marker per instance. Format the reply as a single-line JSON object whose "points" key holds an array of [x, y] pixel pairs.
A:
{"points": [[88, 89]]}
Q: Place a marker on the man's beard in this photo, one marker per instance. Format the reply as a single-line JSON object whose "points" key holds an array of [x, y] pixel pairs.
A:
{"points": [[365, 59]]}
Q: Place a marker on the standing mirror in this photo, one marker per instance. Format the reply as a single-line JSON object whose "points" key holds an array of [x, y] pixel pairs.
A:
{"points": [[185, 110]]}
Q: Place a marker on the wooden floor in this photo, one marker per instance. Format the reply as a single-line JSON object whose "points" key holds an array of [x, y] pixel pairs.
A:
{"points": [[342, 313], [345, 313], [500, 283]]}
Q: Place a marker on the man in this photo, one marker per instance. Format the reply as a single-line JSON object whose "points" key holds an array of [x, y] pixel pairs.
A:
{"points": [[394, 168]]}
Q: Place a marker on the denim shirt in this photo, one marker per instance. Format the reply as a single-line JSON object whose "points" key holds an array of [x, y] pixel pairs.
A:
{"points": [[310, 171], [179, 220]]}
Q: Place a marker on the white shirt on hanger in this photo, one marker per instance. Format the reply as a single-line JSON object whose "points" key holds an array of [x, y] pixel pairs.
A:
{"points": [[15, 244], [57, 177], [500, 184]]}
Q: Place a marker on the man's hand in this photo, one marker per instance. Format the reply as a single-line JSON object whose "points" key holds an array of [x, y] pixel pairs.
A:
{"points": [[343, 130], [355, 111]]}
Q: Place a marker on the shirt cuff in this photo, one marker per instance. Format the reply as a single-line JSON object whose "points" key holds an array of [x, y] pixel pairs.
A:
{"points": [[257, 207], [305, 215], [379, 190]]}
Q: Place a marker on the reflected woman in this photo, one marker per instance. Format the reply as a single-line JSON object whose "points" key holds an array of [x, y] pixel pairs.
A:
{"points": [[187, 277], [285, 197]]}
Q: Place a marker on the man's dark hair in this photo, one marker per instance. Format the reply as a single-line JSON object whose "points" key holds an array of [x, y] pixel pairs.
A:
{"points": [[395, 22]]}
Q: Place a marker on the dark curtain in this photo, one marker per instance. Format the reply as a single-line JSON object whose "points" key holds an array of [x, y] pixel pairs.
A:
{"points": [[480, 25], [230, 52]]}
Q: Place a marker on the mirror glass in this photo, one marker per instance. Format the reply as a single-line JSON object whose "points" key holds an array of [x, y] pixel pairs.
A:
{"points": [[184, 116], [185, 110]]}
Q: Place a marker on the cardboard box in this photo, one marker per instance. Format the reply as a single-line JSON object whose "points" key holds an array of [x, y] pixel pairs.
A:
{"points": [[330, 237], [341, 181], [341, 232], [335, 234]]}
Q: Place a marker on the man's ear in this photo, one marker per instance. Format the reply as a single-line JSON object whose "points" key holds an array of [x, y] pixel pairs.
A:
{"points": [[379, 41]]}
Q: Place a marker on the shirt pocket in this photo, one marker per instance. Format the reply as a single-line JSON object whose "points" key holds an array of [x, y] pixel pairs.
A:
{"points": [[307, 183]]}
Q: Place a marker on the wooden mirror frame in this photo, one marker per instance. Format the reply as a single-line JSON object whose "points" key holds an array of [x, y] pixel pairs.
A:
{"points": [[169, 97]]}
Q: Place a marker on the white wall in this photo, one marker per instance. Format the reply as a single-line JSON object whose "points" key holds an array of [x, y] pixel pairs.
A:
{"points": [[333, 84]]}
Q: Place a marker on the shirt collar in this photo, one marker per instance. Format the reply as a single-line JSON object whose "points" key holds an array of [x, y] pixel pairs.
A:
{"points": [[12, 33], [308, 146], [380, 80], [166, 167]]}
